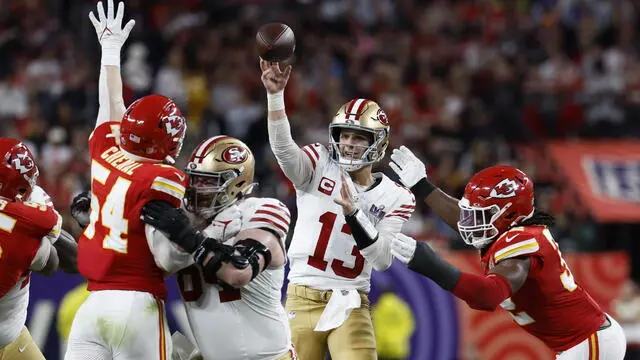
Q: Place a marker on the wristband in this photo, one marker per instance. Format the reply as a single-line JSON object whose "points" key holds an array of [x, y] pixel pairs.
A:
{"points": [[275, 101], [423, 188]]}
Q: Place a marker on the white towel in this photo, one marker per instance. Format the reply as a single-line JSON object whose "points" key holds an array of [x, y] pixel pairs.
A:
{"points": [[183, 349], [340, 305]]}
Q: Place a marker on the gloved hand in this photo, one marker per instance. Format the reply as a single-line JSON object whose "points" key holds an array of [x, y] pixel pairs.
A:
{"points": [[110, 32], [173, 222], [403, 248], [408, 167], [210, 254], [81, 208]]}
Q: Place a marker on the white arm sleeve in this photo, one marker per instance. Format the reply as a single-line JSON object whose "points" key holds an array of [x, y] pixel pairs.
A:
{"points": [[293, 161], [42, 256], [103, 97], [168, 256], [378, 254]]}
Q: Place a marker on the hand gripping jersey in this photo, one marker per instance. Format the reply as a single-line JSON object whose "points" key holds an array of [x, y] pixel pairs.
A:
{"points": [[113, 253], [248, 323], [323, 254], [550, 305], [26, 233]]}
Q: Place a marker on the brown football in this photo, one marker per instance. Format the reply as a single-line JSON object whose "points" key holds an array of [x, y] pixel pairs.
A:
{"points": [[275, 42]]}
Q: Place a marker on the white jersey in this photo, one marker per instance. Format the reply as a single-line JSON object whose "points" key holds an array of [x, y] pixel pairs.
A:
{"points": [[323, 254], [247, 323]]}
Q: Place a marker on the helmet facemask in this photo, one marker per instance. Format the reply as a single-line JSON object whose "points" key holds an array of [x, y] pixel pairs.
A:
{"points": [[476, 224], [207, 194], [364, 155]]}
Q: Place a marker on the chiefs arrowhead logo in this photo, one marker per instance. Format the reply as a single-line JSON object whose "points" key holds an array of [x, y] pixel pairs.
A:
{"points": [[23, 163], [504, 189], [174, 124], [235, 154]]}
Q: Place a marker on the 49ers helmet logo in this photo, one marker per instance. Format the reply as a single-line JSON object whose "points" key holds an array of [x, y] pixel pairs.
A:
{"points": [[235, 154], [504, 189], [174, 124], [382, 117], [23, 162]]}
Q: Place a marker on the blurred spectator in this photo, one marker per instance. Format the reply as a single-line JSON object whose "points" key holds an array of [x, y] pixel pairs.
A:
{"points": [[466, 83]]}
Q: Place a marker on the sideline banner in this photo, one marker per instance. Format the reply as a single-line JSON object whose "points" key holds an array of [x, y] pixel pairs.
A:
{"points": [[445, 328], [606, 175]]}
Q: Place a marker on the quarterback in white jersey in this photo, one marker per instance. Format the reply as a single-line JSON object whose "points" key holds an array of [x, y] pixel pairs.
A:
{"points": [[235, 312], [333, 251]]}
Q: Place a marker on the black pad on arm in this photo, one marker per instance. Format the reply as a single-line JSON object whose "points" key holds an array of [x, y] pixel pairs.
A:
{"points": [[246, 253]]}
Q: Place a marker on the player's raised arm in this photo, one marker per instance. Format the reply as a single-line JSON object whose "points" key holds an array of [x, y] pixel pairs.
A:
{"points": [[295, 164], [112, 37], [413, 174]]}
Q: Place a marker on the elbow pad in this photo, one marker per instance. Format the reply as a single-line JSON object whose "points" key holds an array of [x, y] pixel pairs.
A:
{"points": [[246, 254]]}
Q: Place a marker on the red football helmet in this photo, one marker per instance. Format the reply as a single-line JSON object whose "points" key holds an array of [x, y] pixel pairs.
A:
{"points": [[494, 200], [18, 172], [152, 129]]}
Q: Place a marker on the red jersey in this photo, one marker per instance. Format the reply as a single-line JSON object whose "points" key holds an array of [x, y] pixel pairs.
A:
{"points": [[550, 305], [22, 227], [113, 253]]}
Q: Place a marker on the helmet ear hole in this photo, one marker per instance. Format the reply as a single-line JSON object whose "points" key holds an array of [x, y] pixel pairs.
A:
{"points": [[240, 183], [510, 215]]}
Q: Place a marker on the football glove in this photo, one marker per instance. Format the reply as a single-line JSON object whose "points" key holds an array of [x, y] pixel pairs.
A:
{"points": [[111, 34], [403, 248], [81, 208], [409, 168], [173, 222]]}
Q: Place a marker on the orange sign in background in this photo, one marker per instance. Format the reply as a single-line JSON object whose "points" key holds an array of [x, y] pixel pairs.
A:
{"points": [[495, 336], [605, 174]]}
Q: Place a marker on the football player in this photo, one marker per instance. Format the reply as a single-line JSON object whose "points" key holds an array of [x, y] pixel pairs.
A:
{"points": [[524, 272], [28, 231], [333, 249], [130, 150], [232, 294]]}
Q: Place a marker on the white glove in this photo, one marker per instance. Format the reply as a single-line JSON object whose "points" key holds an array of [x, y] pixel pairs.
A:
{"points": [[403, 247], [110, 32], [408, 167], [225, 225]]}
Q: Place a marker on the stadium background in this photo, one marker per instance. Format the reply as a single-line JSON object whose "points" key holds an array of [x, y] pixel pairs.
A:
{"points": [[550, 86]]}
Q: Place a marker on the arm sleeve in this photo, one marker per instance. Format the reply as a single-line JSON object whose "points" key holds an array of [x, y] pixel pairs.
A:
{"points": [[269, 214], [167, 255], [296, 163], [482, 292], [379, 253], [42, 255], [103, 98]]}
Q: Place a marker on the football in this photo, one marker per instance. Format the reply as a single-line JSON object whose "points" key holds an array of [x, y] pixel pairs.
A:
{"points": [[275, 42]]}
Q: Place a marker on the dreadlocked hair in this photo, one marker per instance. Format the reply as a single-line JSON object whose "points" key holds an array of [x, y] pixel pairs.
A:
{"points": [[539, 218]]}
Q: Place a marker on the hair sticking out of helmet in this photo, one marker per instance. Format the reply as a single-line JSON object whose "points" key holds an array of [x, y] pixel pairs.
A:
{"points": [[495, 199], [18, 170], [152, 129], [364, 116], [221, 171]]}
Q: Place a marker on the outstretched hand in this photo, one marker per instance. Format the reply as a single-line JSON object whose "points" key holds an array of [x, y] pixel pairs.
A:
{"points": [[273, 77], [109, 30]]}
